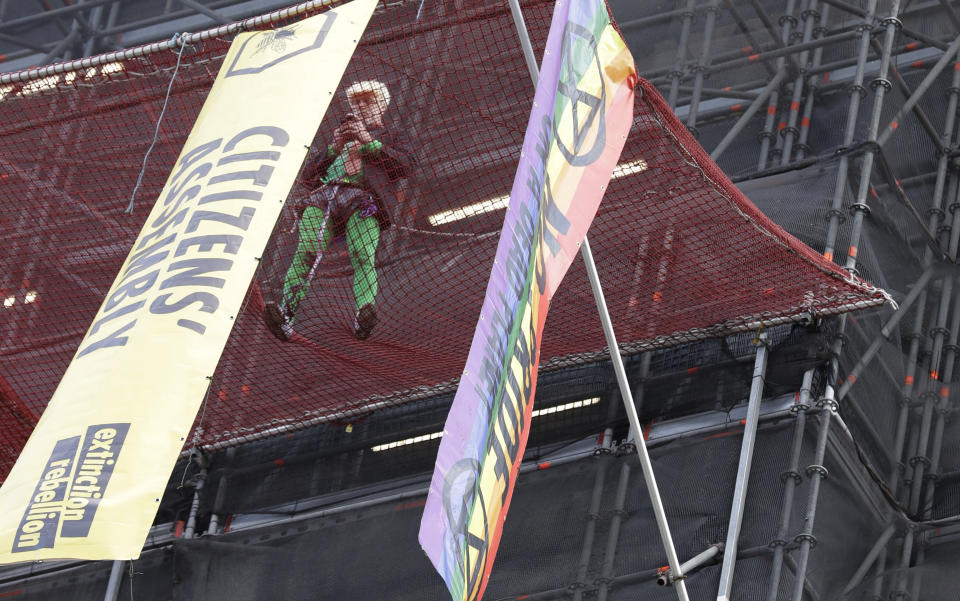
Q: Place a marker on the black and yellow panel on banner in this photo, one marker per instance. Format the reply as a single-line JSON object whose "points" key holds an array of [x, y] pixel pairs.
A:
{"points": [[89, 480]]}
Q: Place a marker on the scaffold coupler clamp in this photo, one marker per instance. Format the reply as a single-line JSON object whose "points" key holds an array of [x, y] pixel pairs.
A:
{"points": [[626, 448], [665, 576]]}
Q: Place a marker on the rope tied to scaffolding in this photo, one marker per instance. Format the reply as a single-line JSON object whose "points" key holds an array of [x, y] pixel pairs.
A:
{"points": [[179, 39]]}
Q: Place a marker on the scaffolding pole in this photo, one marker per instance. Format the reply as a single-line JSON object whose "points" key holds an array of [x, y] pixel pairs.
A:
{"points": [[613, 537], [869, 559], [791, 479], [769, 134], [812, 85], [816, 473], [828, 404], [743, 470], [919, 287], [616, 359], [703, 63], [919, 92], [593, 515], [747, 115], [790, 132], [856, 91], [113, 583], [686, 19]]}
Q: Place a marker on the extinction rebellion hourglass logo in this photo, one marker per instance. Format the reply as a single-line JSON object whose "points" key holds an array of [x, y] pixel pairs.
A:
{"points": [[70, 487]]}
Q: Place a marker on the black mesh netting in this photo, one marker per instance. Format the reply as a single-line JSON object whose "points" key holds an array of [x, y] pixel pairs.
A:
{"points": [[543, 552]]}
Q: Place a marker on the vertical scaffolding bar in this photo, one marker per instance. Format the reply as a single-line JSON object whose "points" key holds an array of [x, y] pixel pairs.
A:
{"points": [[881, 85], [856, 92], [818, 32], [743, 471], [606, 571], [787, 22], [686, 19], [790, 131], [828, 404], [593, 514], [706, 57], [791, 479], [816, 473], [191, 527]]}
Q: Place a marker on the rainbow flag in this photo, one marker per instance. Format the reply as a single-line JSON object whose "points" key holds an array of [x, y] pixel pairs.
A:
{"points": [[581, 114]]}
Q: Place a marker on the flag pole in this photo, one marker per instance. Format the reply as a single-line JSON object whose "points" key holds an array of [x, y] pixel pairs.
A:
{"points": [[645, 463]]}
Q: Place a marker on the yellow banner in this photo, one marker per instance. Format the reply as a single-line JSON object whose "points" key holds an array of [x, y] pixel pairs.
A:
{"points": [[88, 483]]}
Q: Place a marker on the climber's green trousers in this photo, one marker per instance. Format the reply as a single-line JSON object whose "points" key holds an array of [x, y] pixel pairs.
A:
{"points": [[363, 236]]}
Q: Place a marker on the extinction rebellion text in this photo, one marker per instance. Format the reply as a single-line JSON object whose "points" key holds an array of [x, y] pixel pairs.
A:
{"points": [[70, 487]]}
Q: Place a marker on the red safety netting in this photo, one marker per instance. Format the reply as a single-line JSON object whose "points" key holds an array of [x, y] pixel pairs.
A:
{"points": [[682, 254]]}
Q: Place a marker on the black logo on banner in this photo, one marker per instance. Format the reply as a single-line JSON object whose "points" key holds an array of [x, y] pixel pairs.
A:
{"points": [[70, 488], [252, 58], [585, 141]]}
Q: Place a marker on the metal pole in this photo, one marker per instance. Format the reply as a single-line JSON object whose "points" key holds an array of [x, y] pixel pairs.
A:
{"points": [[787, 22], [702, 64], [855, 90], [870, 558], [528, 56], [113, 584], [920, 91], [810, 16], [747, 115], [606, 571], [743, 470], [951, 14], [700, 559], [645, 463], [856, 10], [617, 360], [938, 372], [593, 514], [815, 472], [685, 20], [715, 93], [94, 24], [930, 397], [191, 527], [812, 594], [745, 29], [881, 86], [791, 479], [812, 84], [944, 408], [918, 287], [917, 111]]}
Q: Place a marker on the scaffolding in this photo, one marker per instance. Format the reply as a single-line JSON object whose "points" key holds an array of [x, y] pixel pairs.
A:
{"points": [[839, 121]]}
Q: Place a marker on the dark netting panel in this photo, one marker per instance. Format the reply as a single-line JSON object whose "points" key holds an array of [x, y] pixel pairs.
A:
{"points": [[370, 552], [682, 253]]}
